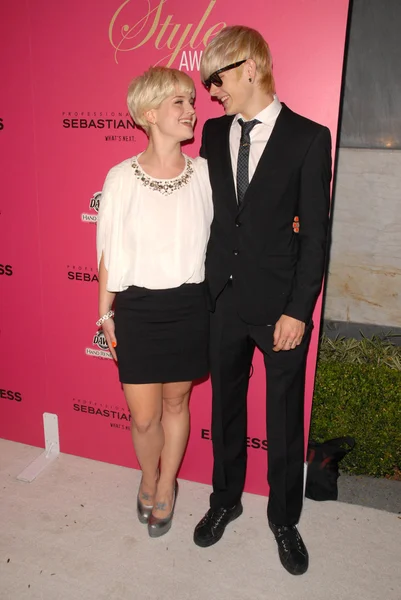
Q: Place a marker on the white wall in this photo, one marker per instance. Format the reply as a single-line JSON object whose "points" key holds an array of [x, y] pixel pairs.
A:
{"points": [[364, 281]]}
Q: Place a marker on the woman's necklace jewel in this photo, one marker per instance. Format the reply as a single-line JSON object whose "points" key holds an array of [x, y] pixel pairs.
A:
{"points": [[163, 186]]}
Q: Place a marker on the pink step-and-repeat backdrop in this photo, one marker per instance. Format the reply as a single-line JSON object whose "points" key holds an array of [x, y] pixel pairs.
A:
{"points": [[63, 124]]}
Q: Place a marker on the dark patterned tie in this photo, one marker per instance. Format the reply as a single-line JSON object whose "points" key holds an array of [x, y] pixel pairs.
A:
{"points": [[243, 158]]}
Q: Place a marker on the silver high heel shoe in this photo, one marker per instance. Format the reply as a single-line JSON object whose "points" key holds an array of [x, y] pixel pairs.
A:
{"points": [[143, 511], [158, 527]]}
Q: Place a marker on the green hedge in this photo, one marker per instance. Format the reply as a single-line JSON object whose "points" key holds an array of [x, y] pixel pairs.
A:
{"points": [[363, 401]]}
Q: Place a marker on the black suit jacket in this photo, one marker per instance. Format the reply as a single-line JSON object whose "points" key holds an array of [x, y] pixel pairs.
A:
{"points": [[275, 271]]}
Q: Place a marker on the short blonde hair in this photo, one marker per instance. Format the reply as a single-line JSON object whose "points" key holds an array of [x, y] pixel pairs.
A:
{"points": [[237, 43], [148, 91]]}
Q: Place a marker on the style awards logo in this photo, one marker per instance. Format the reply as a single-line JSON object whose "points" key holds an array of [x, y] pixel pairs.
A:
{"points": [[99, 348], [117, 126], [138, 23], [94, 203], [82, 274]]}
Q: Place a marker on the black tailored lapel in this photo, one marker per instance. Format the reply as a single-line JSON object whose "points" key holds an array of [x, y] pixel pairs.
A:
{"points": [[274, 155]]}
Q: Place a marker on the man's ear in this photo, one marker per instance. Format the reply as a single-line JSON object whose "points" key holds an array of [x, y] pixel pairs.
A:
{"points": [[250, 70]]}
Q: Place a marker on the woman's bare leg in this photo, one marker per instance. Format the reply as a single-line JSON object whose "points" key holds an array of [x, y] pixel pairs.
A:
{"points": [[175, 422], [145, 402]]}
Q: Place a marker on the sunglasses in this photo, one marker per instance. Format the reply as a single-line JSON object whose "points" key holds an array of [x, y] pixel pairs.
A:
{"points": [[215, 78]]}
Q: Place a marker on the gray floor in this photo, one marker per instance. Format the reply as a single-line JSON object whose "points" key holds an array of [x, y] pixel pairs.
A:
{"points": [[383, 494], [72, 534]]}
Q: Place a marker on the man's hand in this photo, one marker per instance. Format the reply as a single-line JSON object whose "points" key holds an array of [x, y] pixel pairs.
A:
{"points": [[288, 333]]}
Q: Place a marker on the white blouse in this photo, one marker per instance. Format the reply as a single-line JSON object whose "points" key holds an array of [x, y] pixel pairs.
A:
{"points": [[153, 233]]}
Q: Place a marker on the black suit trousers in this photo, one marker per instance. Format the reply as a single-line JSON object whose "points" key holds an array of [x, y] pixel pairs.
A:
{"points": [[232, 345]]}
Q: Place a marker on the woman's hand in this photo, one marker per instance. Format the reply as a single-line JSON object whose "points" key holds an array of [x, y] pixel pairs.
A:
{"points": [[109, 333]]}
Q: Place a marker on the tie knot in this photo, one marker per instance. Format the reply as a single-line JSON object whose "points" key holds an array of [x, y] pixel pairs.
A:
{"points": [[247, 126]]}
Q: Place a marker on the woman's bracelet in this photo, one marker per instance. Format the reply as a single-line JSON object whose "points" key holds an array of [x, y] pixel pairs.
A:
{"points": [[105, 317]]}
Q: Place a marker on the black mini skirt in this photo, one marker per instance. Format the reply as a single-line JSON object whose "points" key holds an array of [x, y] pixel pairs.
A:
{"points": [[162, 335]]}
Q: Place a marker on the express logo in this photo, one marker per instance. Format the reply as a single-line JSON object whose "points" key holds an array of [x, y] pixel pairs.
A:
{"points": [[94, 203], [251, 442], [6, 270], [10, 395], [84, 274], [102, 350]]}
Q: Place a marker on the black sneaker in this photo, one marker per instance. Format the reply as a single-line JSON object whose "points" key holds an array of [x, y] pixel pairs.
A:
{"points": [[291, 548], [211, 528]]}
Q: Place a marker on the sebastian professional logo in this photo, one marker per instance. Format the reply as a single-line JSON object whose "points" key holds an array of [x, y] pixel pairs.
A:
{"points": [[10, 395], [100, 348], [118, 125], [84, 274], [94, 207], [139, 22], [6, 270], [117, 416], [251, 442], [82, 120]]}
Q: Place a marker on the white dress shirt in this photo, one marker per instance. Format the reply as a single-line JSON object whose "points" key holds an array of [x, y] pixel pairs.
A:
{"points": [[153, 239], [260, 135]]}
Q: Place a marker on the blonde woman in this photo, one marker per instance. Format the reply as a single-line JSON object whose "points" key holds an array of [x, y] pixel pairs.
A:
{"points": [[152, 233]]}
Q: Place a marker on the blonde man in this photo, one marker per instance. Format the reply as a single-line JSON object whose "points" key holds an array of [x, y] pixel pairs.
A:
{"points": [[152, 232], [270, 172]]}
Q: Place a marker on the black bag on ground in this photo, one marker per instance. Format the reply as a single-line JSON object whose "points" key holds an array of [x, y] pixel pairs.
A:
{"points": [[323, 472]]}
